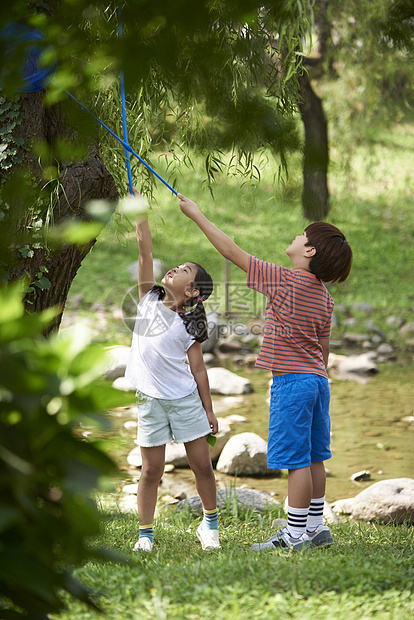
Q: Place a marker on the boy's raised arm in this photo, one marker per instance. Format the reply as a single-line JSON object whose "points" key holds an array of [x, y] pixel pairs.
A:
{"points": [[217, 237]]}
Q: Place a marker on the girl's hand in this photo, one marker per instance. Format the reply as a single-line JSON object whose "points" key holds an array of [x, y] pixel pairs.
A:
{"points": [[188, 207], [213, 422]]}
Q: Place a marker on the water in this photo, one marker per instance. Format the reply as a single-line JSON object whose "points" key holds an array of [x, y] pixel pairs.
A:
{"points": [[369, 432]]}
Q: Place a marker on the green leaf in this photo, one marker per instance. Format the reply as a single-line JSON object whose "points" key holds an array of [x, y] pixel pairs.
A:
{"points": [[211, 439], [43, 283]]}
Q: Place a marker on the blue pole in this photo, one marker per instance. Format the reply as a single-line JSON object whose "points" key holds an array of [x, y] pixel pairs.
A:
{"points": [[124, 119], [124, 144]]}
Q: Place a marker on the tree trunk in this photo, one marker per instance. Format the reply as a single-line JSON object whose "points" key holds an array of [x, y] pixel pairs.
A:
{"points": [[79, 182], [315, 195]]}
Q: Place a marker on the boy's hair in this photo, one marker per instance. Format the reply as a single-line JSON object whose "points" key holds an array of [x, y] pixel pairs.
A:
{"points": [[195, 321], [333, 259]]}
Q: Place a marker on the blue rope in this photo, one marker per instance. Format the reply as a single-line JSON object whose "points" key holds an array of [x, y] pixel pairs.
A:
{"points": [[124, 119]]}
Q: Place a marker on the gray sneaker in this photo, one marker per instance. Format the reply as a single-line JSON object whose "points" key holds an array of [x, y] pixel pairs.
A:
{"points": [[321, 537], [283, 540]]}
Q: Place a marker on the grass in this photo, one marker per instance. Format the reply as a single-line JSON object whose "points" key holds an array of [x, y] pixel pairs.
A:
{"points": [[368, 573]]}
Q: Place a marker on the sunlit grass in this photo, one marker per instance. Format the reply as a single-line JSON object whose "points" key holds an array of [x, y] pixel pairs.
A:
{"points": [[368, 573]]}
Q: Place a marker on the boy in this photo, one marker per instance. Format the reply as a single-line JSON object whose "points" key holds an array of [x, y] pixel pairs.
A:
{"points": [[295, 348]]}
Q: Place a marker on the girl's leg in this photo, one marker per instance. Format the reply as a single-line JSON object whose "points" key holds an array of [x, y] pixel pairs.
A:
{"points": [[153, 461], [198, 454]]}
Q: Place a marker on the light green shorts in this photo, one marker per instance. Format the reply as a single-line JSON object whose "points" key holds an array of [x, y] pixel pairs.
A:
{"points": [[160, 420]]}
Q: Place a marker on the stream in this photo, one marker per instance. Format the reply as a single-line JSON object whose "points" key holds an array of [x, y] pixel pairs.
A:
{"points": [[372, 428]]}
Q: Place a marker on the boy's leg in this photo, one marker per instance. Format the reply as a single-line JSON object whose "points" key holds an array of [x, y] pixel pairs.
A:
{"points": [[318, 474], [153, 460], [318, 533], [198, 454], [299, 498]]}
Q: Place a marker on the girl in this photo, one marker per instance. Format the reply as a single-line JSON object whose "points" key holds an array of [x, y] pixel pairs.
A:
{"points": [[173, 399]]}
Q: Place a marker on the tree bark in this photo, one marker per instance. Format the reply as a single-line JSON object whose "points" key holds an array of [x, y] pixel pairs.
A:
{"points": [[315, 195], [79, 182]]}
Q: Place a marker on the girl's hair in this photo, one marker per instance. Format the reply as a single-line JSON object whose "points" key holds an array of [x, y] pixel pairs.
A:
{"points": [[333, 259], [195, 320]]}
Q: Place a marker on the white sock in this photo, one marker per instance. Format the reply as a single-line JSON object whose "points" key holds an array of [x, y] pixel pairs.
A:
{"points": [[315, 514], [297, 518]]}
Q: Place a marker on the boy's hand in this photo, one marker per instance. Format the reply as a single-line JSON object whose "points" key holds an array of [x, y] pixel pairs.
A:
{"points": [[188, 207]]}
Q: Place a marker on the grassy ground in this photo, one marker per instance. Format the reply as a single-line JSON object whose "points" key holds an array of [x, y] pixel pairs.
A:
{"points": [[369, 573]]}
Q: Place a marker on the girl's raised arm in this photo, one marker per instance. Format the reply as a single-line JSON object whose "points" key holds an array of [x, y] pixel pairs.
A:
{"points": [[146, 278], [217, 237]]}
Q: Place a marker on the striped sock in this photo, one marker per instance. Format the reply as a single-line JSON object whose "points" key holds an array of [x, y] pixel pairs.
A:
{"points": [[146, 531], [297, 521], [210, 520], [315, 514]]}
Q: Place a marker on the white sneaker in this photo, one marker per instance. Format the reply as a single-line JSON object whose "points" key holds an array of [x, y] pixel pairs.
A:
{"points": [[321, 537], [144, 544], [283, 540], [209, 538]]}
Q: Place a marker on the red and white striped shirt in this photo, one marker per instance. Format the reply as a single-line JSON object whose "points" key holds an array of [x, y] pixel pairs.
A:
{"points": [[298, 312]]}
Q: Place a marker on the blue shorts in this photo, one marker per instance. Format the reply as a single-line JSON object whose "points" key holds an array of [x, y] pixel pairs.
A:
{"points": [[161, 420], [299, 423]]}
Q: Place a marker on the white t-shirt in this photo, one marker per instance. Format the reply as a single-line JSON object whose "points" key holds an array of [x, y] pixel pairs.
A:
{"points": [[157, 361]]}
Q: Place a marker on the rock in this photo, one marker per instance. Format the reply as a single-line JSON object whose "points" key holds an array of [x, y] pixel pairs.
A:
{"points": [[130, 424], [360, 364], [245, 499], [351, 322], [370, 326], [395, 321], [130, 489], [329, 516], [209, 359], [385, 352], [248, 360], [123, 385], [387, 500], [226, 403], [223, 381], [245, 455], [229, 346], [407, 329], [134, 457], [361, 476], [343, 506], [355, 338], [352, 367], [237, 419], [117, 358], [213, 322], [361, 307]]}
